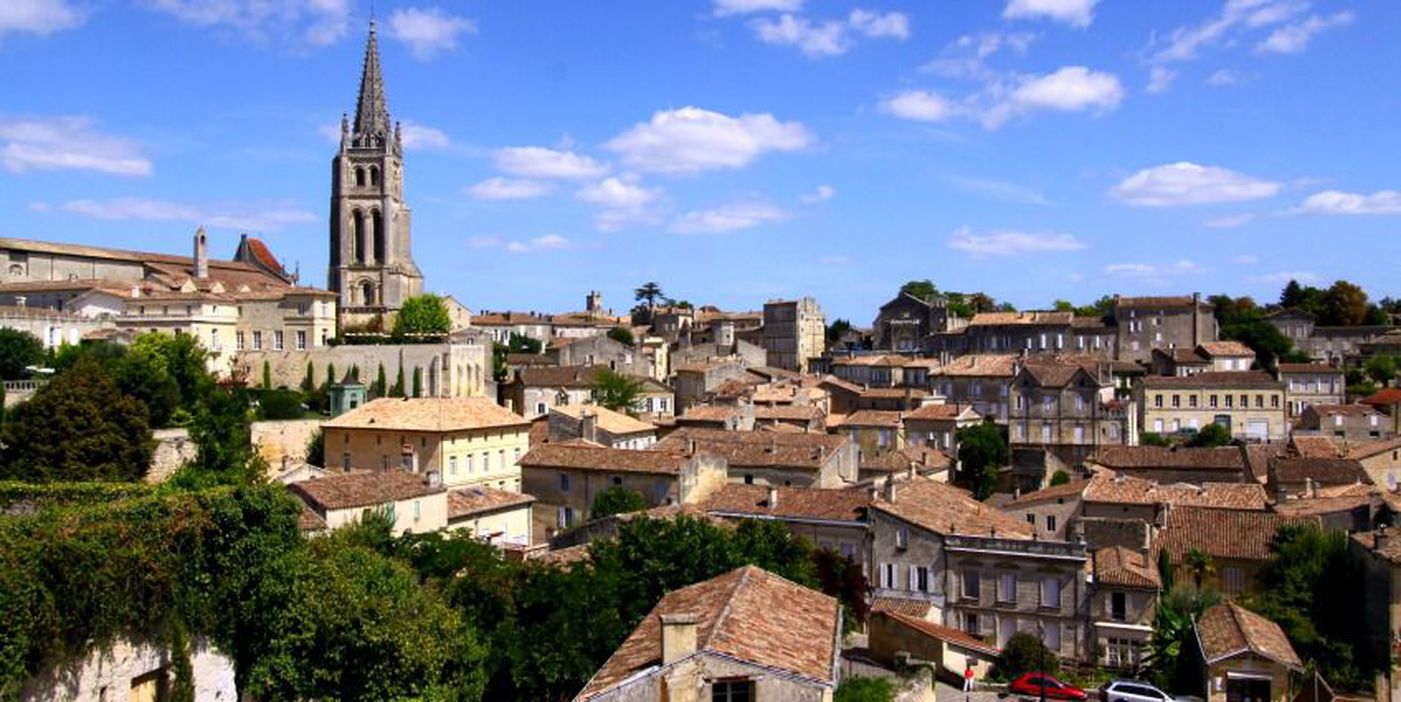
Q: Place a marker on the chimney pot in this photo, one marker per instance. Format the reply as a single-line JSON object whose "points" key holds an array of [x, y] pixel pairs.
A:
{"points": [[890, 489], [773, 496]]}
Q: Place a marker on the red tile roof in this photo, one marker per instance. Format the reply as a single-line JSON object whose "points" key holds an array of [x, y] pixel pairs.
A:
{"points": [[464, 503], [1222, 533], [943, 633], [362, 489], [1125, 567], [840, 505], [944, 509], [1228, 630]]}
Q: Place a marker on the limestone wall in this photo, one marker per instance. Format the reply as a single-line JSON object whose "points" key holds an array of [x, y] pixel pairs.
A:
{"points": [[174, 448], [110, 673], [276, 440], [447, 370]]}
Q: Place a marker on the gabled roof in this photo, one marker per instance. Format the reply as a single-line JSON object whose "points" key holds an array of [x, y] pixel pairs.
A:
{"points": [[1125, 567], [362, 489], [749, 449], [839, 505], [558, 376], [873, 418], [1222, 533], [1373, 448], [1225, 348], [942, 413], [1227, 458], [1054, 493], [1228, 630], [430, 414], [465, 503], [578, 455], [1322, 471], [948, 635], [747, 614], [944, 509], [981, 366], [1383, 397], [1123, 489], [608, 420], [924, 458]]}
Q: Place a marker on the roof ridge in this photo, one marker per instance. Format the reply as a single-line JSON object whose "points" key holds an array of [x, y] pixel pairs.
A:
{"points": [[724, 614]]}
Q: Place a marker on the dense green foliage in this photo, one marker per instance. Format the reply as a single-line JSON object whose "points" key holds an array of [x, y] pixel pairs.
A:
{"points": [[18, 351], [280, 404], [616, 500], [1381, 369], [140, 373], [960, 304], [649, 293], [1169, 662], [66, 494], [516, 343], [1152, 438], [622, 335], [1211, 436], [224, 452], [616, 391], [982, 452], [316, 449], [423, 318], [1343, 304], [1059, 477], [1024, 653], [855, 689], [78, 427], [1240, 319]]}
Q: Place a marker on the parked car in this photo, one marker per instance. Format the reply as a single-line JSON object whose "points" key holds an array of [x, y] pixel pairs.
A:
{"points": [[1133, 691], [1039, 684]]}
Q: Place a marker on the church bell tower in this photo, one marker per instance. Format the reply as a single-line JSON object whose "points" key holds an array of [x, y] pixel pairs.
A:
{"points": [[372, 267]]}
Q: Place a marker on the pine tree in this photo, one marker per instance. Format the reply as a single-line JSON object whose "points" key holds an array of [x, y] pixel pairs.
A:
{"points": [[398, 389], [267, 375], [309, 382], [417, 383], [381, 383], [331, 375]]}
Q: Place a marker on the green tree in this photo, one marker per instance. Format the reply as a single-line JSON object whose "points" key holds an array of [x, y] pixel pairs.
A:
{"points": [[316, 449], [355, 374], [422, 318], [1200, 564], [855, 689], [267, 375], [18, 350], [1240, 319], [331, 378], [616, 391], [616, 500], [842, 578], [142, 377], [921, 289], [309, 380], [836, 330], [1152, 438], [648, 293], [381, 383], [1211, 436], [622, 335], [223, 446], [417, 382], [184, 359], [280, 404], [78, 427], [1344, 305], [398, 389], [1024, 653], [1381, 369], [1060, 477], [982, 452], [1169, 661]]}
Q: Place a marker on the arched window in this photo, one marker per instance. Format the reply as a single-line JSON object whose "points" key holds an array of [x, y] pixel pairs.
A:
{"points": [[374, 175], [378, 222], [357, 236], [360, 177], [367, 293]]}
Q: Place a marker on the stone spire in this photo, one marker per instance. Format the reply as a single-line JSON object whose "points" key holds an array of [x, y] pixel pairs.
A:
{"points": [[371, 110]]}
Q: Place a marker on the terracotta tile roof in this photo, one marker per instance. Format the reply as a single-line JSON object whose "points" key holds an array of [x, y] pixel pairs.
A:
{"points": [[577, 455], [309, 520], [430, 414], [1318, 506], [1214, 379], [1058, 374], [981, 366], [562, 558], [1353, 410], [558, 376], [901, 605], [747, 614], [882, 360], [1257, 459], [894, 393], [781, 428], [944, 509], [1323, 471], [467, 502], [1227, 458], [1123, 489], [842, 505], [1391, 546], [608, 420], [925, 457], [1383, 397], [1315, 446], [873, 418], [1125, 567], [1222, 533], [1226, 348], [539, 431], [1053, 493], [1159, 301], [805, 413], [361, 489], [529, 359], [748, 449], [1309, 368], [943, 633], [937, 412], [1026, 318], [709, 413], [1374, 448], [1228, 629], [832, 381]]}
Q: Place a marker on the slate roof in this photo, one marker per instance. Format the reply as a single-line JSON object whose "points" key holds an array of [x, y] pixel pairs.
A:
{"points": [[944, 509], [429, 414], [361, 489], [1228, 630], [842, 505], [1125, 567], [747, 614], [465, 503]]}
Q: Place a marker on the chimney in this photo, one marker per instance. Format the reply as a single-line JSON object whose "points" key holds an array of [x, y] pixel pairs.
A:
{"points": [[201, 258], [588, 425], [1196, 319], [433, 478], [678, 636], [914, 470], [773, 496], [890, 489], [1380, 539]]}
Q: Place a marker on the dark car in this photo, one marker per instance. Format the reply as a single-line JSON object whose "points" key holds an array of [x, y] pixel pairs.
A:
{"points": [[1039, 684]]}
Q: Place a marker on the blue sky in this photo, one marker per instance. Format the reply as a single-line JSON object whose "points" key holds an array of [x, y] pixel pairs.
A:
{"points": [[735, 150]]}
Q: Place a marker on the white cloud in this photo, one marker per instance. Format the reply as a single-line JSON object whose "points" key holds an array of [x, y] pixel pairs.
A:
{"points": [[725, 8], [508, 189], [67, 143], [730, 217], [1222, 77], [1159, 80], [999, 190], [254, 216], [428, 31], [823, 193], [1294, 38], [1186, 183], [1010, 243], [1077, 13], [315, 22], [542, 162], [823, 38], [920, 106], [1337, 202], [965, 57], [539, 244], [614, 192], [42, 17], [1283, 277], [1153, 273], [1246, 260], [1070, 89], [1185, 43], [420, 137], [1229, 221], [878, 24], [691, 140]]}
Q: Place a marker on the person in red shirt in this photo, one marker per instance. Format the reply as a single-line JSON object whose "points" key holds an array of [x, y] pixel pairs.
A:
{"points": [[968, 678]]}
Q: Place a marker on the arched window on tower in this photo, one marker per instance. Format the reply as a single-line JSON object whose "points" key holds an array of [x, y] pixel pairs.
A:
{"points": [[360, 177], [367, 293], [379, 235], [374, 175], [357, 236]]}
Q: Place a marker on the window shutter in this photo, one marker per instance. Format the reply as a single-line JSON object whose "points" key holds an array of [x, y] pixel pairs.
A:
{"points": [[913, 584]]}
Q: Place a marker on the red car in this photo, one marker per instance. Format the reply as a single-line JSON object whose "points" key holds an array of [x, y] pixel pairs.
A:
{"points": [[1037, 684]]}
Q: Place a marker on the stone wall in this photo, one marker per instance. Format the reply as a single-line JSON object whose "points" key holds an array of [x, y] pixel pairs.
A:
{"points": [[107, 673], [447, 370], [174, 448], [283, 439]]}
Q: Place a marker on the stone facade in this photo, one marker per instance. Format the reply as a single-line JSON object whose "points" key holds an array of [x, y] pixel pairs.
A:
{"points": [[794, 331], [136, 670], [445, 370], [1067, 409], [1249, 404], [1175, 322], [1311, 384]]}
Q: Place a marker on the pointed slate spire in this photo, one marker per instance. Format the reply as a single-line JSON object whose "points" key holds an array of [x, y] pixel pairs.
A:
{"points": [[371, 111]]}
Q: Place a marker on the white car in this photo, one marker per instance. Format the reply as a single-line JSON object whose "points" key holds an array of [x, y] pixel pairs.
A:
{"points": [[1133, 691]]}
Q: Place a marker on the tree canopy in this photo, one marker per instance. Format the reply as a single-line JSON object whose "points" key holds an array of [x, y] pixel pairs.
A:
{"points": [[649, 293], [622, 335], [982, 451], [616, 391], [422, 318], [18, 350], [616, 499], [1211, 436]]}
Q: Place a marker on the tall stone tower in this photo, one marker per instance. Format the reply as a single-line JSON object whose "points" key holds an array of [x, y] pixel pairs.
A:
{"points": [[372, 265]]}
